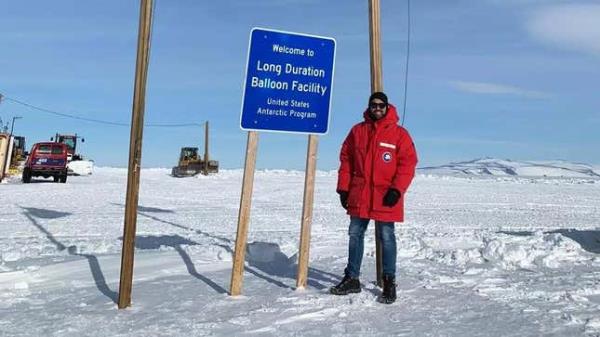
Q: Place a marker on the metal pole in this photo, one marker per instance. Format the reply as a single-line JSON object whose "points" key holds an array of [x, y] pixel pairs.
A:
{"points": [[376, 85], [135, 153]]}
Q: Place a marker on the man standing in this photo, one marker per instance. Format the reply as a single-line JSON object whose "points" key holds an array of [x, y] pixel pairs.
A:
{"points": [[378, 160]]}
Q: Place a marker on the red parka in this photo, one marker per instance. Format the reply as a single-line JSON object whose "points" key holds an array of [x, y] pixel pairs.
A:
{"points": [[376, 155]]}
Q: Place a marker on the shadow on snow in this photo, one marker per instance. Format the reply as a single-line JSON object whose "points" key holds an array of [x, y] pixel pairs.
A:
{"points": [[263, 259], [40, 213], [176, 242]]}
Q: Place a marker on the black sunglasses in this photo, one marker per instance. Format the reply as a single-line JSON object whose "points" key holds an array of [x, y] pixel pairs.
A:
{"points": [[377, 105]]}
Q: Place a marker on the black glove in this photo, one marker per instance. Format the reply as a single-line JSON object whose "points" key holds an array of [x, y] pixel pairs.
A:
{"points": [[391, 197], [343, 198]]}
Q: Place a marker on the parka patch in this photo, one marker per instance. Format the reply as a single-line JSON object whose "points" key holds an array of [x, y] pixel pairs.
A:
{"points": [[390, 146], [387, 157]]}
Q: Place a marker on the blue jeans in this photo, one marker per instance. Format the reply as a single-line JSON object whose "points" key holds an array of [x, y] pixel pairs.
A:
{"points": [[387, 238]]}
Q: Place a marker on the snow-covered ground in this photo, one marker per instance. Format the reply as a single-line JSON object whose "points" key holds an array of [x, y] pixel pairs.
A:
{"points": [[496, 256]]}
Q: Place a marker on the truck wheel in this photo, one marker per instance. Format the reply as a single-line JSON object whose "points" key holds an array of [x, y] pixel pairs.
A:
{"points": [[63, 179], [26, 176], [55, 178]]}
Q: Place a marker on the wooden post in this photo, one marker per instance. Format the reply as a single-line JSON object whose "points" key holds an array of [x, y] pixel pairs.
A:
{"points": [[307, 211], [376, 85], [237, 272], [206, 148], [135, 153]]}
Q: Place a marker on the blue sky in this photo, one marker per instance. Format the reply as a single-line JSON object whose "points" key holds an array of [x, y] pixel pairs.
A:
{"points": [[508, 79]]}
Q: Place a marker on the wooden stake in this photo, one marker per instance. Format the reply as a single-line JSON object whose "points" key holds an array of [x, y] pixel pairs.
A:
{"points": [[237, 272], [307, 211], [135, 153], [376, 85]]}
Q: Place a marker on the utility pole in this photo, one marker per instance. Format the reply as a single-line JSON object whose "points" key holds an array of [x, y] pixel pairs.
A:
{"points": [[1, 123], [12, 126], [206, 148], [376, 85], [135, 152]]}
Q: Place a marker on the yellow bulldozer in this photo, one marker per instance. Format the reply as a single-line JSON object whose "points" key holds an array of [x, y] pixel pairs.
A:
{"points": [[190, 163]]}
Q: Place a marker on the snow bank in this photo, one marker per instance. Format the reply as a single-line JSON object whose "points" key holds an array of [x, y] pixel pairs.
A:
{"points": [[80, 167], [513, 251], [538, 250]]}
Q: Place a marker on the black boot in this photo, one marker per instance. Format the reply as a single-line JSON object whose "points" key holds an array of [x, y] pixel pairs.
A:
{"points": [[388, 296], [346, 286]]}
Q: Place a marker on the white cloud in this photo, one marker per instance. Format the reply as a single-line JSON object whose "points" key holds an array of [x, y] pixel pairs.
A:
{"points": [[574, 27], [495, 89]]}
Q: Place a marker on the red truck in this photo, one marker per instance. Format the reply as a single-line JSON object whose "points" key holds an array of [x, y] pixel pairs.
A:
{"points": [[46, 160]]}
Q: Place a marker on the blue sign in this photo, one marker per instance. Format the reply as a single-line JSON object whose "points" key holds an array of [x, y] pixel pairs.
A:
{"points": [[288, 82]]}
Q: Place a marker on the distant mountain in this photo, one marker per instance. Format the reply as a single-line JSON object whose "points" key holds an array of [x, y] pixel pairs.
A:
{"points": [[506, 167]]}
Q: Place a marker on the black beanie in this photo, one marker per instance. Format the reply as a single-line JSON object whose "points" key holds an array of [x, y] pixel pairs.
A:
{"points": [[379, 95]]}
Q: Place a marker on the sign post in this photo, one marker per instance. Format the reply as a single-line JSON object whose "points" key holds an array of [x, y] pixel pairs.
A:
{"points": [[307, 211], [244, 215], [288, 84]]}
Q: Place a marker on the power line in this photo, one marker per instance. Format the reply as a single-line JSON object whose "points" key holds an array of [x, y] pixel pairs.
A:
{"points": [[92, 120], [100, 121], [56, 113]]}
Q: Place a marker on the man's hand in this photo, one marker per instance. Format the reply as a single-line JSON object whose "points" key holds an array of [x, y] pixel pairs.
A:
{"points": [[343, 198], [391, 197]]}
